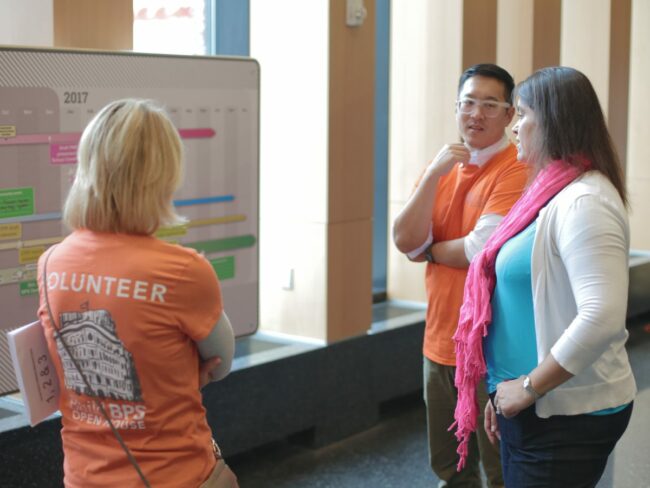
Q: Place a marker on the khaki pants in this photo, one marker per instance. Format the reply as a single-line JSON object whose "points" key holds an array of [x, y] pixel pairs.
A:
{"points": [[440, 396], [221, 477]]}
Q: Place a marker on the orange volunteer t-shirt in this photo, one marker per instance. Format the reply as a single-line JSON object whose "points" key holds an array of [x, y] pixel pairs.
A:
{"points": [[462, 196], [130, 309]]}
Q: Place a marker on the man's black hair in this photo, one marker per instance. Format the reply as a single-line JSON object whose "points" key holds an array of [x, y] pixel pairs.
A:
{"points": [[489, 71]]}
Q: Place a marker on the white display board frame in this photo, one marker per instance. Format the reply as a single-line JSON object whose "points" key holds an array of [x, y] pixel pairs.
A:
{"points": [[47, 96]]}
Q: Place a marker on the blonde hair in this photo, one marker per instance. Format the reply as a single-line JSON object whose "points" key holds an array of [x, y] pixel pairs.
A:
{"points": [[129, 165]]}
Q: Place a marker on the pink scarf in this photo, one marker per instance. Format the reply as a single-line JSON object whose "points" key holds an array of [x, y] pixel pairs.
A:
{"points": [[476, 311]]}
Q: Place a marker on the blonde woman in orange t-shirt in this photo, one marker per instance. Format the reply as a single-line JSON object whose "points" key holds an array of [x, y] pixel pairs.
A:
{"points": [[135, 325]]}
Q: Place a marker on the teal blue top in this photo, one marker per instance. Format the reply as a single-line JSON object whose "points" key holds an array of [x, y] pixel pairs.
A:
{"points": [[510, 348]]}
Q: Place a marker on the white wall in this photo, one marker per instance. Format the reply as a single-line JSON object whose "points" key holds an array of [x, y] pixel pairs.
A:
{"points": [[26, 23], [638, 150], [426, 56], [586, 41], [290, 39], [515, 37]]}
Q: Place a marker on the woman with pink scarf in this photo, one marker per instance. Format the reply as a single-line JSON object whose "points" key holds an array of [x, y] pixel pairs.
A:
{"points": [[545, 302]]}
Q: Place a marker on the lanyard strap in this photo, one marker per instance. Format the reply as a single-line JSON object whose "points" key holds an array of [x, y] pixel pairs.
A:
{"points": [[59, 338]]}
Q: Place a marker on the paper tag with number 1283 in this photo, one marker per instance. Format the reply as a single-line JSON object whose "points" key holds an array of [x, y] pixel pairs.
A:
{"points": [[35, 371]]}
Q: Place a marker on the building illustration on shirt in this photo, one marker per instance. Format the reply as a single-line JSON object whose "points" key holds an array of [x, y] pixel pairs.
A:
{"points": [[94, 344]]}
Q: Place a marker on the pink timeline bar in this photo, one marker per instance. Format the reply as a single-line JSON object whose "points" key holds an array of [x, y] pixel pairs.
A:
{"points": [[73, 137], [196, 133], [62, 138]]}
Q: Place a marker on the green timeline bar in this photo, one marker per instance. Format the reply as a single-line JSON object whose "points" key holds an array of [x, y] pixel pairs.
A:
{"points": [[28, 288], [16, 202], [220, 245], [224, 267]]}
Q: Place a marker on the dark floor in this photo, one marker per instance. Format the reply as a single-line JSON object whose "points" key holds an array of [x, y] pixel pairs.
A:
{"points": [[393, 453]]}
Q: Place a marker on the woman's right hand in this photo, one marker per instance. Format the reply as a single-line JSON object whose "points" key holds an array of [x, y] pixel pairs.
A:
{"points": [[205, 370], [490, 423]]}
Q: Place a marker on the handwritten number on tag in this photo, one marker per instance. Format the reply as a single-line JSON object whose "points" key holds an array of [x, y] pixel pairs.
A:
{"points": [[46, 381]]}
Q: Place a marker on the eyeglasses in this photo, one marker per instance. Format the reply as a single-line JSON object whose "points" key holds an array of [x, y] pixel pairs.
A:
{"points": [[490, 108]]}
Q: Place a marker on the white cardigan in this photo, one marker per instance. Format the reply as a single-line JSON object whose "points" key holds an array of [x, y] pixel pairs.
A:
{"points": [[580, 283]]}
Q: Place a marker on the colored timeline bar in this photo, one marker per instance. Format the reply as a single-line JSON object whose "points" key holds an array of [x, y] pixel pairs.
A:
{"points": [[220, 245], [57, 215], [32, 218], [29, 243], [204, 200], [199, 133], [9, 276], [172, 231], [73, 137]]}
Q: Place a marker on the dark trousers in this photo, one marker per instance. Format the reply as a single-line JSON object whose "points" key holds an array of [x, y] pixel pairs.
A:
{"points": [[440, 396], [560, 451]]}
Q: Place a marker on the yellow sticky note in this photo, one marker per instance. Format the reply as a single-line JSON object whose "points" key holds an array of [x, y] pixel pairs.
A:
{"points": [[10, 231], [7, 131], [30, 254]]}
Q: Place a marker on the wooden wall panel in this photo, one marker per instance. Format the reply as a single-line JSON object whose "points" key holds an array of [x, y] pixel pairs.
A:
{"points": [[351, 115], [619, 74], [547, 27], [479, 32], [351, 172], [349, 275], [93, 24]]}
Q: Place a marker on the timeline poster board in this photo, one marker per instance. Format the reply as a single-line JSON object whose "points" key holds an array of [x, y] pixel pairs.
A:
{"points": [[47, 97]]}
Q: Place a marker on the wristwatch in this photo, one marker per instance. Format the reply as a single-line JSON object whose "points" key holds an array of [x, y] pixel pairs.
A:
{"points": [[428, 255], [528, 386]]}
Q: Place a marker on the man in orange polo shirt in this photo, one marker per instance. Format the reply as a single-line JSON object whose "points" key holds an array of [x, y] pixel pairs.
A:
{"points": [[461, 197]]}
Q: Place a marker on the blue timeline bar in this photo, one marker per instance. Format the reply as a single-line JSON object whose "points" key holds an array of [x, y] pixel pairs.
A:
{"points": [[201, 201]]}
